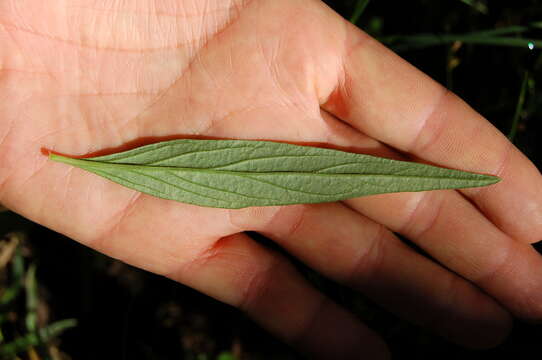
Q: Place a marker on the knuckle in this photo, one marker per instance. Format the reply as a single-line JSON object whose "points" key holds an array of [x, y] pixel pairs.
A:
{"points": [[260, 284], [424, 215], [251, 218], [368, 261], [432, 125], [283, 221]]}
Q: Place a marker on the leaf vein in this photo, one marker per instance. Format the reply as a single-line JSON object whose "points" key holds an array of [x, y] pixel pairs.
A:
{"points": [[175, 186], [218, 189], [291, 189], [195, 152], [266, 158]]}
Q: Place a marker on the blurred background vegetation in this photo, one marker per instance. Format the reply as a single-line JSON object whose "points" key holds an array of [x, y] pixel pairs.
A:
{"points": [[59, 300]]}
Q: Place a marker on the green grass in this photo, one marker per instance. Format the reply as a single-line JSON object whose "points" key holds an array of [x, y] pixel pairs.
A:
{"points": [[477, 5], [358, 10], [491, 37], [20, 330], [519, 107], [420, 41]]}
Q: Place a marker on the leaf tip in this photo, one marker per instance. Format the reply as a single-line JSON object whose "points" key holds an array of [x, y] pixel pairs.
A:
{"points": [[492, 179]]}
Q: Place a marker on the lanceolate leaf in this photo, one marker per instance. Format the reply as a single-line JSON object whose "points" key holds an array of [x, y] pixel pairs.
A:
{"points": [[237, 173]]}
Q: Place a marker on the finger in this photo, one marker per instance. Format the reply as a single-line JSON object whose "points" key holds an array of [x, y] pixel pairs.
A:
{"points": [[457, 235], [240, 272], [354, 250], [388, 99]]}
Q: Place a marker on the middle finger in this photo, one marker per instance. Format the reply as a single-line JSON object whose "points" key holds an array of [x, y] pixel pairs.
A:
{"points": [[349, 248]]}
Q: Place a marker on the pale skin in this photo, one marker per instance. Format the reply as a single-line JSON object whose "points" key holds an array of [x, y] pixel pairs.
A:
{"points": [[83, 76]]}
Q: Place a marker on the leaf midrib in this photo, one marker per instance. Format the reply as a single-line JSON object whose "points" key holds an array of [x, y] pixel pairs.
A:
{"points": [[116, 166]]}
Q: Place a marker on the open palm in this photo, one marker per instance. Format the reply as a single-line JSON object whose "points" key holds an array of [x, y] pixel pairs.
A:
{"points": [[83, 76]]}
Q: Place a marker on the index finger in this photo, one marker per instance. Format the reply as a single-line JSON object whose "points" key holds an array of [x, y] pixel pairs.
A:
{"points": [[383, 96]]}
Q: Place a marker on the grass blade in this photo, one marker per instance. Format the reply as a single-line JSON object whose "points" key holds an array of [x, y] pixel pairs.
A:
{"points": [[17, 269], [516, 29], [402, 43], [358, 11], [24, 343], [31, 286], [519, 107], [476, 5]]}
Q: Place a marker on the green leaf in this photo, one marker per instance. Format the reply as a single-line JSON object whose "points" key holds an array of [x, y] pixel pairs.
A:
{"points": [[237, 173]]}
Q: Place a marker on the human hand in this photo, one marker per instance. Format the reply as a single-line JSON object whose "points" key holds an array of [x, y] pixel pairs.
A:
{"points": [[79, 76]]}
